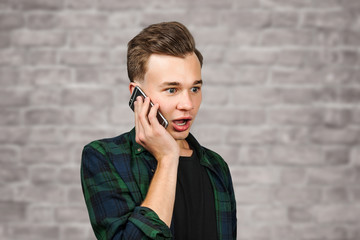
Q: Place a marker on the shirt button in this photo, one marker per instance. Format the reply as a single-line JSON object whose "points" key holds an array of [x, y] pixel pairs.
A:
{"points": [[152, 170], [139, 149]]}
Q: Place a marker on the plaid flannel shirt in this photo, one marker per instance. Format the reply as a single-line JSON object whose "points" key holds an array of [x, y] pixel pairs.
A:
{"points": [[116, 174]]}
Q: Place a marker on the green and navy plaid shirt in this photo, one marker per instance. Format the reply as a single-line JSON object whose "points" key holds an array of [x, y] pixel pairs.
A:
{"points": [[116, 174]]}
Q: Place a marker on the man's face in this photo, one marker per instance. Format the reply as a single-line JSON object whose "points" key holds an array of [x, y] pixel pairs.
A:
{"points": [[175, 83]]}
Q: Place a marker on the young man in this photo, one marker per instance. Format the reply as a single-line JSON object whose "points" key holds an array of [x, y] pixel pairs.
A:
{"points": [[152, 182]]}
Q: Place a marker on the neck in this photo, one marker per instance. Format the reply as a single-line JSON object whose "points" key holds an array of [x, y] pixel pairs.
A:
{"points": [[185, 149]]}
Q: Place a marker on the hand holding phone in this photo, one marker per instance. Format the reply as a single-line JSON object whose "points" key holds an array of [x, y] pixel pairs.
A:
{"points": [[138, 92]]}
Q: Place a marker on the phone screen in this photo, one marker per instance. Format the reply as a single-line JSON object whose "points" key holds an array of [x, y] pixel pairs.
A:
{"points": [[138, 92]]}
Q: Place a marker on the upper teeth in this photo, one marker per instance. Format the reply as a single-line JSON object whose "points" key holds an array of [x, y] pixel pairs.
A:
{"points": [[182, 123]]}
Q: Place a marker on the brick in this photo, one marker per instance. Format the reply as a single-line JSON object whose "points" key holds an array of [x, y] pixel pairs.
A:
{"points": [[5, 40], [84, 58], [14, 97], [257, 57], [40, 175], [49, 76], [245, 37], [349, 95], [336, 176], [38, 4], [121, 115], [285, 18], [9, 117], [215, 74], [10, 173], [11, 57], [11, 21], [270, 214], [41, 214], [229, 154], [51, 194], [252, 195], [293, 176], [80, 232], [300, 215], [85, 135], [294, 58], [337, 213], [247, 19], [254, 96], [337, 156], [335, 136], [253, 155], [296, 155], [34, 232], [255, 175], [39, 39], [71, 214], [205, 134], [7, 194], [9, 77], [9, 154], [12, 211], [74, 195], [81, 4], [14, 135], [45, 96], [75, 20], [42, 21], [337, 117], [231, 116], [342, 76], [53, 154], [87, 116], [202, 36], [87, 97], [295, 116], [355, 155], [44, 116], [69, 175], [303, 76], [41, 57], [254, 232], [97, 39], [114, 5], [123, 20], [161, 16], [213, 55], [5, 4], [284, 3], [221, 93], [336, 195], [327, 20], [297, 196], [322, 231], [45, 135], [253, 135]]}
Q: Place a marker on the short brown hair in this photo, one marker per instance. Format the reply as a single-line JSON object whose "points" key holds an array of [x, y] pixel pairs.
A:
{"points": [[168, 38]]}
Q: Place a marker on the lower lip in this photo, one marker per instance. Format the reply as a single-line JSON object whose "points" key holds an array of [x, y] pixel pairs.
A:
{"points": [[181, 128]]}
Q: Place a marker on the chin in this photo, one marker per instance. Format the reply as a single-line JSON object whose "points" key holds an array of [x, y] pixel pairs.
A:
{"points": [[180, 135]]}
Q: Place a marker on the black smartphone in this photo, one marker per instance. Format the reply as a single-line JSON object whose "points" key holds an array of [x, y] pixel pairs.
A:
{"points": [[138, 92]]}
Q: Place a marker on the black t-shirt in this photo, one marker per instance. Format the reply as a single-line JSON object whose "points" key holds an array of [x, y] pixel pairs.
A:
{"points": [[194, 214]]}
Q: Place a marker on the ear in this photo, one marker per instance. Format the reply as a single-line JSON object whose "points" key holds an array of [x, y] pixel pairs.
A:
{"points": [[132, 85]]}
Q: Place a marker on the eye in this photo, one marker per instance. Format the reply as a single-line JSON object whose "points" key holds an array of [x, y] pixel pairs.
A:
{"points": [[195, 89], [171, 90]]}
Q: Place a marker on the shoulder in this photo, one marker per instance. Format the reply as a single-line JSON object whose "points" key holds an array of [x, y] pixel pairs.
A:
{"points": [[114, 145], [216, 160]]}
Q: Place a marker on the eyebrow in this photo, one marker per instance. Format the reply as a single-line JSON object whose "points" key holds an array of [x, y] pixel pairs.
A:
{"points": [[178, 83]]}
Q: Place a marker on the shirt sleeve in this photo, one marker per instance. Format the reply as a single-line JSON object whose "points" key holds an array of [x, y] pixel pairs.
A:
{"points": [[112, 211]]}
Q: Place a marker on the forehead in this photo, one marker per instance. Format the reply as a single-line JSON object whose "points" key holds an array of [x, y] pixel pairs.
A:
{"points": [[164, 68]]}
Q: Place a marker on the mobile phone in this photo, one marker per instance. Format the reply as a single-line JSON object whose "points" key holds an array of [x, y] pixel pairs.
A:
{"points": [[138, 92]]}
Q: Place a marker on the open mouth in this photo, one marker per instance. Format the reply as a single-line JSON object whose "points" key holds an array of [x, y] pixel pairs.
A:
{"points": [[181, 122]]}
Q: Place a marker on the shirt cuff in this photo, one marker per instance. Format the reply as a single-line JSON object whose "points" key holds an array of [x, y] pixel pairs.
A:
{"points": [[150, 223]]}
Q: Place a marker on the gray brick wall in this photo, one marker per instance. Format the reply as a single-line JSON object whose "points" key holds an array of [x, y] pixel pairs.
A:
{"points": [[282, 92]]}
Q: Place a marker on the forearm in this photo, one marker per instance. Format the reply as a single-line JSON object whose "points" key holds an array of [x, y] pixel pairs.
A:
{"points": [[161, 194]]}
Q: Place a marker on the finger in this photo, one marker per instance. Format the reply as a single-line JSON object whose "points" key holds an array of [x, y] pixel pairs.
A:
{"points": [[144, 114], [152, 115]]}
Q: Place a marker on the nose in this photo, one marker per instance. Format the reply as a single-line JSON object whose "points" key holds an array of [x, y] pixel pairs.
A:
{"points": [[185, 102]]}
